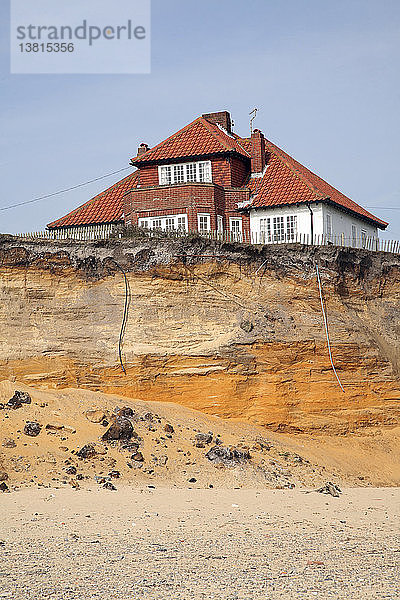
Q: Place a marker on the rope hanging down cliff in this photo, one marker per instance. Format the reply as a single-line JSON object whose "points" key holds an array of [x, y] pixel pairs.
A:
{"points": [[125, 316], [326, 326]]}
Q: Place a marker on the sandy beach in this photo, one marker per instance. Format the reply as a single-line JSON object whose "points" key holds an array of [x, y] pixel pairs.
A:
{"points": [[160, 543]]}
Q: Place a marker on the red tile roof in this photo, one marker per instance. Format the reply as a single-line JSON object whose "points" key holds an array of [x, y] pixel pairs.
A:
{"points": [[106, 207], [286, 181], [196, 139]]}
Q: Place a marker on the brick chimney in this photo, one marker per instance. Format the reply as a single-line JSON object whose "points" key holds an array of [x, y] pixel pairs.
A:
{"points": [[222, 118], [142, 148], [257, 151]]}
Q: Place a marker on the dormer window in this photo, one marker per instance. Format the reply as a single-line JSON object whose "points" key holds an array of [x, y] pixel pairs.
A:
{"points": [[185, 173]]}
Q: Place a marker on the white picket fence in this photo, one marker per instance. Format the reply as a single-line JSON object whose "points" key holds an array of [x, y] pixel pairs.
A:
{"points": [[105, 231]]}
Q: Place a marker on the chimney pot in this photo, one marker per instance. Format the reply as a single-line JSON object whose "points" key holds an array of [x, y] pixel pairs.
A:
{"points": [[143, 148]]}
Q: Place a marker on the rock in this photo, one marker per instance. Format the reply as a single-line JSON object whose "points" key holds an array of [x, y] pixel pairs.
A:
{"points": [[163, 460], [2, 406], [109, 486], [203, 438], [95, 416], [125, 411], [3, 476], [330, 488], [247, 326], [79, 477], [114, 474], [121, 429], [71, 470], [60, 427], [32, 428], [192, 480], [168, 428], [87, 451], [105, 423], [130, 446], [227, 456], [19, 399], [138, 456], [9, 443], [4, 487]]}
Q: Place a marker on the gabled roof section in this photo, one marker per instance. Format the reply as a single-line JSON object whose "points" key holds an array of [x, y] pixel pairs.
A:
{"points": [[286, 181], [196, 139], [106, 207]]}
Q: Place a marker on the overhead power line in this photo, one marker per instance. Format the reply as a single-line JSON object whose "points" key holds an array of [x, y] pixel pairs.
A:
{"points": [[74, 187]]}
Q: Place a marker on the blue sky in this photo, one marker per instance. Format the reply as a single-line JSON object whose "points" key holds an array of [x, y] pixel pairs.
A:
{"points": [[324, 76]]}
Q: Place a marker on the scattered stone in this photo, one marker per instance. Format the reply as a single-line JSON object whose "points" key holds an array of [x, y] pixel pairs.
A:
{"points": [[130, 446], [138, 456], [3, 476], [125, 411], [87, 451], [192, 480], [71, 470], [203, 438], [247, 326], [32, 428], [95, 416], [109, 486], [114, 474], [19, 399], [330, 488], [4, 487], [227, 456], [121, 429], [168, 428], [79, 477], [9, 443], [163, 459]]}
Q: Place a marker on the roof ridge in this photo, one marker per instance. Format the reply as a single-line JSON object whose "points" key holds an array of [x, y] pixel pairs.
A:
{"points": [[161, 144], [217, 133]]}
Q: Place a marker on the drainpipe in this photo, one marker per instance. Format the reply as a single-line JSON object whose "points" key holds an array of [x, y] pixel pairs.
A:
{"points": [[312, 223]]}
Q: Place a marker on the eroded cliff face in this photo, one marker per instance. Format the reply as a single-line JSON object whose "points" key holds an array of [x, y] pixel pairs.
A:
{"points": [[228, 330]]}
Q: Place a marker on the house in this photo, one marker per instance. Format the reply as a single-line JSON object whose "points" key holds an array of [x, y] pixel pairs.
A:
{"points": [[206, 178]]}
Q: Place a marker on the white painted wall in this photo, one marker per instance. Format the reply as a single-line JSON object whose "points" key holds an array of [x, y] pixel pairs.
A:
{"points": [[341, 222]]}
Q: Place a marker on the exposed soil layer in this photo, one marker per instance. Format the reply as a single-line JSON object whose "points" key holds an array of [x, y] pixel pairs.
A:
{"points": [[229, 330]]}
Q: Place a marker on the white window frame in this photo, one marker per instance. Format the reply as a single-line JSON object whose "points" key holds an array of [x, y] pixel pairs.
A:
{"points": [[265, 230], [165, 222], [220, 224], [236, 232], [291, 227], [198, 172], [329, 225], [278, 227], [200, 218]]}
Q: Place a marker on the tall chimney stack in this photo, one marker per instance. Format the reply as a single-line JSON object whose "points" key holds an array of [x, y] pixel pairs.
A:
{"points": [[257, 151], [222, 118]]}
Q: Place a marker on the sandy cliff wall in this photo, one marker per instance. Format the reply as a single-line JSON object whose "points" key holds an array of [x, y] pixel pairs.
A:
{"points": [[235, 332]]}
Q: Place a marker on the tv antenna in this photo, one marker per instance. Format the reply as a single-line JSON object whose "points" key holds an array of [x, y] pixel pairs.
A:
{"points": [[254, 113]]}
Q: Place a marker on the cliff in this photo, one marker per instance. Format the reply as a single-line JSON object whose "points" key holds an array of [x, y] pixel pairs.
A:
{"points": [[230, 330]]}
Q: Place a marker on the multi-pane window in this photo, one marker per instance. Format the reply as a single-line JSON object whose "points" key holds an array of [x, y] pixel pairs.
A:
{"points": [[156, 224], [328, 224], [220, 223], [235, 226], [291, 227], [265, 230], [165, 175], [363, 238], [354, 234], [191, 171], [166, 223], [185, 172], [170, 223], [279, 229], [203, 222], [181, 223]]}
